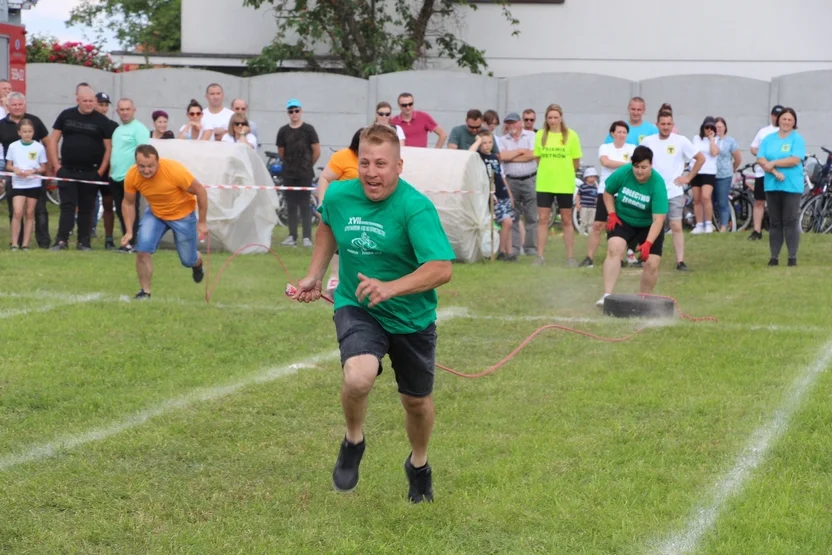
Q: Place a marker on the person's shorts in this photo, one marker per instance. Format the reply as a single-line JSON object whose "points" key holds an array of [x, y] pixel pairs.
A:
{"points": [[503, 210], [152, 229], [601, 214], [545, 200], [412, 355], [28, 193], [759, 188], [675, 207], [635, 236], [703, 179]]}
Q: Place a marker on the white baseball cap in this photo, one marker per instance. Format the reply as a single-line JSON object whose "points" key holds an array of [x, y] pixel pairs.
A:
{"points": [[589, 172]]}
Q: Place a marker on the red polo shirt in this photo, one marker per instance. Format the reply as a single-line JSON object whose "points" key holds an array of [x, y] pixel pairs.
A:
{"points": [[416, 130]]}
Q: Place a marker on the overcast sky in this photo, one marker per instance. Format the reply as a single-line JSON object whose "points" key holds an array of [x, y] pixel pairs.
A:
{"points": [[49, 17]]}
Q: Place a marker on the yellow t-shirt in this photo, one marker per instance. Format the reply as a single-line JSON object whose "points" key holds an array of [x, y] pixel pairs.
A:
{"points": [[344, 164], [556, 169], [165, 192]]}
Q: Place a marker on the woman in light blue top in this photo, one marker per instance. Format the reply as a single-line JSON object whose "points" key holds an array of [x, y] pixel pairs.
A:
{"points": [[781, 156], [727, 162]]}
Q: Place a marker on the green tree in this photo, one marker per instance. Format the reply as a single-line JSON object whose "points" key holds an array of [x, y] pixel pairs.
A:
{"points": [[154, 25], [368, 37]]}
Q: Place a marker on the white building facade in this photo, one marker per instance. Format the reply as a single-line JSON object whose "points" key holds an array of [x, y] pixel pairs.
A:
{"points": [[631, 39]]}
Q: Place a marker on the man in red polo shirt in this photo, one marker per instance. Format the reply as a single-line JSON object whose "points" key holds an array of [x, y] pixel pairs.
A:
{"points": [[416, 125]]}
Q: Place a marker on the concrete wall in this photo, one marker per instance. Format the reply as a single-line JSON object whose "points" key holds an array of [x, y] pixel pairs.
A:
{"points": [[338, 105], [636, 39]]}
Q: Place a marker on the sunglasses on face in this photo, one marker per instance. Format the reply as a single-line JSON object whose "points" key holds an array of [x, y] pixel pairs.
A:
{"points": [[194, 113], [531, 120], [384, 114], [403, 105], [240, 123], [293, 111]]}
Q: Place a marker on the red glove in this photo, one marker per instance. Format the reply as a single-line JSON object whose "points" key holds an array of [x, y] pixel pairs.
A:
{"points": [[645, 250], [612, 221]]}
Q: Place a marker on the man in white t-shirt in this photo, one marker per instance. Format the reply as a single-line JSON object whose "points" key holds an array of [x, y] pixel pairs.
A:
{"points": [[670, 154], [759, 174], [240, 106], [612, 156], [216, 117]]}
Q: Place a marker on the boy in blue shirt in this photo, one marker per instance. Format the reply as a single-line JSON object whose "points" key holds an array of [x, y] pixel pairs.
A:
{"points": [[587, 200], [503, 200]]}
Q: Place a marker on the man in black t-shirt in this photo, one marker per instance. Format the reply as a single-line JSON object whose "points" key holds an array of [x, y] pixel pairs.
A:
{"points": [[299, 148], [8, 134], [85, 154]]}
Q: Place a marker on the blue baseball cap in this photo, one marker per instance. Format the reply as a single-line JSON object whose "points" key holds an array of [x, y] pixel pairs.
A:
{"points": [[293, 103]]}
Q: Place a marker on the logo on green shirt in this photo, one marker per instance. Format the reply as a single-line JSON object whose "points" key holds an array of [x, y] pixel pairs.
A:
{"points": [[364, 243]]}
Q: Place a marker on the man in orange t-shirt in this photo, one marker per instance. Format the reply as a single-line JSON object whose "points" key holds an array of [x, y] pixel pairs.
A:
{"points": [[169, 189]]}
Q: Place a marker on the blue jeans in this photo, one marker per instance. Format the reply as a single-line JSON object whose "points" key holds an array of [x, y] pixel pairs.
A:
{"points": [[721, 191], [152, 229]]}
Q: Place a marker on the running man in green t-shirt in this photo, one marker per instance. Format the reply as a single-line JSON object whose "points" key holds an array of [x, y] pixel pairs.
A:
{"points": [[636, 219], [393, 255]]}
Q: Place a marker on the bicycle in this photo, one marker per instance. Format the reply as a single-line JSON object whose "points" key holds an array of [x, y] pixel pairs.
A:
{"points": [[816, 210], [741, 196], [275, 166]]}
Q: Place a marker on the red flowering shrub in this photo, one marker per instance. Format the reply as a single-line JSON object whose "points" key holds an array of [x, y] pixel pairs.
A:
{"points": [[41, 50]]}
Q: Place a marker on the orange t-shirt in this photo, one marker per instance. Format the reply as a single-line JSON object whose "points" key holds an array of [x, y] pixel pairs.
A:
{"points": [[165, 192], [344, 164]]}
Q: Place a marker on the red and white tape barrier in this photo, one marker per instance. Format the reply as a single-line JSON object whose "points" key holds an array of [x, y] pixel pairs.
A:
{"points": [[243, 187]]}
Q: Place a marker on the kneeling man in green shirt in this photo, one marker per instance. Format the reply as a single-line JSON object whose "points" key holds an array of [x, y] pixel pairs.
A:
{"points": [[636, 200], [394, 254]]}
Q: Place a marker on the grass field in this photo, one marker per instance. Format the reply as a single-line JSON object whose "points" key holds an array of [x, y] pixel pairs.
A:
{"points": [[172, 426]]}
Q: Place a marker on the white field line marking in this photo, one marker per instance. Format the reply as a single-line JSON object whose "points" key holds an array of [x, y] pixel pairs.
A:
{"points": [[749, 458], [68, 300], [69, 442]]}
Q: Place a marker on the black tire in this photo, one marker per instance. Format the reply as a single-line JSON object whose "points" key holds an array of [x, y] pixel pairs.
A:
{"points": [[639, 306]]}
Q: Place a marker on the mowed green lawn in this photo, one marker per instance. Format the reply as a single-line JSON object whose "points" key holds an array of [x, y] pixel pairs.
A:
{"points": [[172, 426]]}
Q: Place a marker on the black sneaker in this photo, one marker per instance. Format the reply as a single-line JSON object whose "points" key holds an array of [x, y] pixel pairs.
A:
{"points": [[421, 482], [755, 236], [501, 255], [587, 263], [125, 250], [773, 262], [198, 273], [83, 248], [345, 473], [792, 261], [109, 245], [59, 246], [682, 267], [141, 295], [510, 258]]}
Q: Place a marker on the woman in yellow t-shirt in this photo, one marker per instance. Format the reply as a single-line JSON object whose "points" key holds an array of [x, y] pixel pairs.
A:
{"points": [[342, 165], [557, 150]]}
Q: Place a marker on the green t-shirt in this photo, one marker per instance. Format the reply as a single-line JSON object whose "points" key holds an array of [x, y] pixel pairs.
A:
{"points": [[462, 138], [385, 240], [125, 140], [556, 169], [637, 202]]}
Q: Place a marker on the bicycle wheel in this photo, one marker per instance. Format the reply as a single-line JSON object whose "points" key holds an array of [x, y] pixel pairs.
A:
{"points": [[743, 209], [825, 223], [53, 195], [809, 216]]}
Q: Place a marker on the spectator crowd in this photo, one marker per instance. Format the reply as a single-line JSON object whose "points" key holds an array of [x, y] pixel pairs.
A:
{"points": [[535, 166]]}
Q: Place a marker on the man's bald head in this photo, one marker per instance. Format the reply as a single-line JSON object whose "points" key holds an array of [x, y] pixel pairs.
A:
{"points": [[85, 97]]}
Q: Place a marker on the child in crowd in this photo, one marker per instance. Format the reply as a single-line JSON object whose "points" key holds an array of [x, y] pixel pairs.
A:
{"points": [[503, 201], [588, 199], [26, 159]]}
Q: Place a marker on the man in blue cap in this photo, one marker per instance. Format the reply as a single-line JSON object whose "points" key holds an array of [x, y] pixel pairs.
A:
{"points": [[299, 148]]}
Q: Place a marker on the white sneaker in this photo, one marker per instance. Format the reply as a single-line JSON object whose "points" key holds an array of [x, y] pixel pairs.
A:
{"points": [[288, 242], [631, 257], [698, 229], [709, 227], [600, 302], [307, 242]]}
